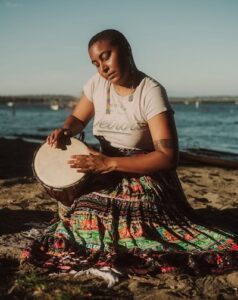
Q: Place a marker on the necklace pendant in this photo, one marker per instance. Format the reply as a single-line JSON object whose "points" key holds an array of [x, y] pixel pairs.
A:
{"points": [[130, 98]]}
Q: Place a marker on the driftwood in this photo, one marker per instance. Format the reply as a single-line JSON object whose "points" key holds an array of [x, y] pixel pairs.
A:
{"points": [[208, 157]]}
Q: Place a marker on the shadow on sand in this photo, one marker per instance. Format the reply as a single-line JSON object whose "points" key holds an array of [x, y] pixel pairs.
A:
{"points": [[13, 221], [226, 219], [16, 158]]}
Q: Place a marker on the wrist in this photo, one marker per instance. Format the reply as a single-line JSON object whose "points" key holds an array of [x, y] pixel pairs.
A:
{"points": [[67, 132], [112, 164]]}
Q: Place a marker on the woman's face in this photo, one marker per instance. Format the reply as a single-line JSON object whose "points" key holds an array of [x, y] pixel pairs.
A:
{"points": [[110, 61]]}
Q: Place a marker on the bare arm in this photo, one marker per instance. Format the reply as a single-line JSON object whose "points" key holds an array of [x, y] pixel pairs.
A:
{"points": [[165, 156], [74, 123], [81, 115]]}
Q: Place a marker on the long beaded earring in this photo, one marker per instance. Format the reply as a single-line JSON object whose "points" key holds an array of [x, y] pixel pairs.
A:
{"points": [[108, 103], [130, 99]]}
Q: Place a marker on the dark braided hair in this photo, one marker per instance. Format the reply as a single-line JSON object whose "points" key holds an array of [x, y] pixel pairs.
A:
{"points": [[115, 37]]}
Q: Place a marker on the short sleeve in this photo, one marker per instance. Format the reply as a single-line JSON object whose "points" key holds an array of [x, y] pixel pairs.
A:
{"points": [[156, 102], [89, 88]]}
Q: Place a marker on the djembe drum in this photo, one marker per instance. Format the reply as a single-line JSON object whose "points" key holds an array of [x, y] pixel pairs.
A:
{"points": [[51, 169]]}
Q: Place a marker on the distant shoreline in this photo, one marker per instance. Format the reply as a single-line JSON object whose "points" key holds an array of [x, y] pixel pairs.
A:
{"points": [[70, 101], [60, 100]]}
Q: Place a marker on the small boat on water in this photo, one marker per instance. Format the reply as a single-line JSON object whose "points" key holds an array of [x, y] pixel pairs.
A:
{"points": [[197, 103], [54, 106], [10, 104]]}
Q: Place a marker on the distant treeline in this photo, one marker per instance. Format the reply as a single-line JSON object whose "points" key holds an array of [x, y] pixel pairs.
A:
{"points": [[67, 100], [62, 100], [205, 99]]}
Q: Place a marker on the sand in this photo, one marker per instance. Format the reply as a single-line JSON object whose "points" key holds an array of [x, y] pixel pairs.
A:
{"points": [[212, 191]]}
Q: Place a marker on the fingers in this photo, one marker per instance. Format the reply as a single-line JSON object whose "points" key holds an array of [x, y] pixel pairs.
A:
{"points": [[83, 163], [89, 163], [83, 168], [59, 137], [87, 170], [52, 138], [79, 161]]}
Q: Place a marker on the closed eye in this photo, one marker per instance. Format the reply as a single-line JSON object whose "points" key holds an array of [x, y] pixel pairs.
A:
{"points": [[105, 55]]}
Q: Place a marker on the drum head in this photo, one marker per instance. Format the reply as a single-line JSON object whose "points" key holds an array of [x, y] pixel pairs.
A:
{"points": [[51, 167]]}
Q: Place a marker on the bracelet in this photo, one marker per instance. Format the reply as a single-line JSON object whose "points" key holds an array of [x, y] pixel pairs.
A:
{"points": [[78, 120], [81, 122], [67, 132]]}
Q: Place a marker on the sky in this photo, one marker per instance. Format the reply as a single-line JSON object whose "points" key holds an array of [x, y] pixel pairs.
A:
{"points": [[189, 46]]}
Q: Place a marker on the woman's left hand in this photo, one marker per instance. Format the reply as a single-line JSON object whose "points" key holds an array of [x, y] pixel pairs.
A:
{"points": [[95, 162]]}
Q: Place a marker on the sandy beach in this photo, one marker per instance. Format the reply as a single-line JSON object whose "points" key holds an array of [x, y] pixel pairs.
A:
{"points": [[211, 190]]}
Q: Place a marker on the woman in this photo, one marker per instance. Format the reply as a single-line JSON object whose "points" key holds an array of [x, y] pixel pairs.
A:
{"points": [[134, 215]]}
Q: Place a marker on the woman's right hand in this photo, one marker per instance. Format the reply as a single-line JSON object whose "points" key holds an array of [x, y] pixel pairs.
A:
{"points": [[59, 138]]}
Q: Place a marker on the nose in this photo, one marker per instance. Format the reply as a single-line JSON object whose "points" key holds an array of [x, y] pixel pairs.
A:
{"points": [[104, 68]]}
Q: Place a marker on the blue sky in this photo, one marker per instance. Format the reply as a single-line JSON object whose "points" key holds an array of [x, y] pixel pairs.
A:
{"points": [[190, 46]]}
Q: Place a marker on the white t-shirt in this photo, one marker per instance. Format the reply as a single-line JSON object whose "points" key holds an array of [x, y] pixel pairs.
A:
{"points": [[126, 126]]}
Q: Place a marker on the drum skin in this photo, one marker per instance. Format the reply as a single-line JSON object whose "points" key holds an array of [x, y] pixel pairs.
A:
{"points": [[51, 169]]}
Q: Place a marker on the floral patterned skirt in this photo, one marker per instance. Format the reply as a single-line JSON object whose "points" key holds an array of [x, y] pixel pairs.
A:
{"points": [[138, 224]]}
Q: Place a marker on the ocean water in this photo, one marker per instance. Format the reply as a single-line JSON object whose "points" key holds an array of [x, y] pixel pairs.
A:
{"points": [[211, 126]]}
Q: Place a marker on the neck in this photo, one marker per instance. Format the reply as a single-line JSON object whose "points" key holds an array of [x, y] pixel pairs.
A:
{"points": [[130, 81], [130, 85]]}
